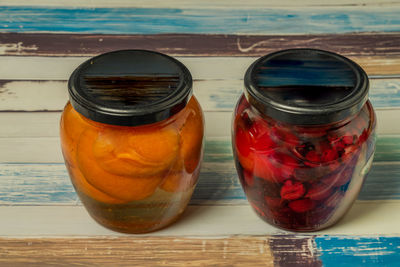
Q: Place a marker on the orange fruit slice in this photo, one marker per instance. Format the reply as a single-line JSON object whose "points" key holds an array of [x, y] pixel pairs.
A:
{"points": [[82, 185], [192, 134], [71, 127], [139, 153], [127, 188]]}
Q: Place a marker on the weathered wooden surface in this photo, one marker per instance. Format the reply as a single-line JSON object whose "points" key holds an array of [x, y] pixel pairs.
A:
{"points": [[264, 20], [41, 42], [217, 95], [50, 44], [134, 251]]}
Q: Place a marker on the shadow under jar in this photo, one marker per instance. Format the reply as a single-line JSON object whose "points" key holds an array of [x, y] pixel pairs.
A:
{"points": [[303, 137], [132, 139]]}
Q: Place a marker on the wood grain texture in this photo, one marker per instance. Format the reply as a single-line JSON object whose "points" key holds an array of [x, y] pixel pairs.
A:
{"points": [[237, 4], [213, 95], [364, 218], [132, 251], [49, 184], [366, 251], [53, 44], [201, 68], [294, 251], [264, 20]]}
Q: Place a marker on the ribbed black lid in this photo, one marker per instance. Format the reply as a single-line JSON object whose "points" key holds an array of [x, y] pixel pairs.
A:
{"points": [[130, 87], [306, 86]]}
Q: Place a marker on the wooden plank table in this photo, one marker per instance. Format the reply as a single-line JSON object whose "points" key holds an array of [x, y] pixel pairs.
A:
{"points": [[42, 221]]}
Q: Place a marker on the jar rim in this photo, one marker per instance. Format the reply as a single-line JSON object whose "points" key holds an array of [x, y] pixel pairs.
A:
{"points": [[130, 87], [332, 105]]}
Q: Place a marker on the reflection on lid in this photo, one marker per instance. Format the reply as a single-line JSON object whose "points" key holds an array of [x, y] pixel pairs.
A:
{"points": [[303, 80], [130, 90]]}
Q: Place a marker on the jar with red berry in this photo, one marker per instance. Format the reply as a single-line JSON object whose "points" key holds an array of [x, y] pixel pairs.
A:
{"points": [[303, 137]]}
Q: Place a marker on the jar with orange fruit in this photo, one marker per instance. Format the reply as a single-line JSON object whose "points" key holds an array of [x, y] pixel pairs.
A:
{"points": [[132, 139]]}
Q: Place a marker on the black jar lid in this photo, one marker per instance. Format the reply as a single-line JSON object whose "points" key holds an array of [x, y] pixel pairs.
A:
{"points": [[130, 87], [306, 86]]}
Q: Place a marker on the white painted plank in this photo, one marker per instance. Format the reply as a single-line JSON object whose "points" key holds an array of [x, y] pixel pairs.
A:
{"points": [[213, 95], [364, 218], [60, 68], [201, 68], [46, 124], [27, 95], [233, 4]]}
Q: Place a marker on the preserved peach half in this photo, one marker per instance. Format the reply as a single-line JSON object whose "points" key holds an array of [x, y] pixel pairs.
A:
{"points": [[180, 181], [82, 185], [176, 181], [72, 125], [140, 153], [192, 136], [128, 188]]}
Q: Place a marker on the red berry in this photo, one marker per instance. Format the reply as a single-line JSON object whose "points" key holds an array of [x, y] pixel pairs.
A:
{"points": [[313, 159], [273, 202], [363, 137], [243, 142], [302, 205], [258, 128], [329, 155], [263, 144], [283, 165], [292, 190], [244, 153], [348, 140], [262, 167]]}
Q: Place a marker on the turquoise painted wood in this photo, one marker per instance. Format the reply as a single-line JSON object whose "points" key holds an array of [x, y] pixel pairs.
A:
{"points": [[354, 251], [48, 184], [177, 20]]}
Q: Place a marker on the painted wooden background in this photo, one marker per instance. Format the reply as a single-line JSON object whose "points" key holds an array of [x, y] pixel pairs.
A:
{"points": [[42, 221]]}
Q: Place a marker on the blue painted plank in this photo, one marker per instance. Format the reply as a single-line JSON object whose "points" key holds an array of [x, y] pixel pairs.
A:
{"points": [[49, 184], [175, 20], [358, 251], [385, 92]]}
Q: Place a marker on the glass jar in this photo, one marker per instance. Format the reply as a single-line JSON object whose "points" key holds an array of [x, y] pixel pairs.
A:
{"points": [[132, 139], [303, 137]]}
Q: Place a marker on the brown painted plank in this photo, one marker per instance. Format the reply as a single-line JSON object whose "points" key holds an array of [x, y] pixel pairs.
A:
{"points": [[46, 44], [137, 251], [294, 251]]}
